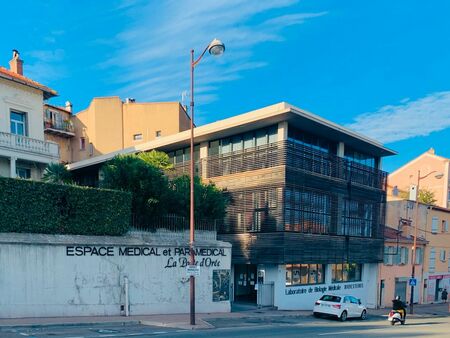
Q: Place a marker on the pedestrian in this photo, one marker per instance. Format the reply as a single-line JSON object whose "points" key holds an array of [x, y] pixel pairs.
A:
{"points": [[444, 296]]}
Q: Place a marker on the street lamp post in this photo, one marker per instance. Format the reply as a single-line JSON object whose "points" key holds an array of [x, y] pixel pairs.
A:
{"points": [[215, 48], [416, 218]]}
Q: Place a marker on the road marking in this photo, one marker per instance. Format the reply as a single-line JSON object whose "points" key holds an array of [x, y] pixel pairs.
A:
{"points": [[159, 332], [333, 333]]}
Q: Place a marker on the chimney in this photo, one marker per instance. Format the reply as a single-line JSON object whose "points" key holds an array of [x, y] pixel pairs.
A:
{"points": [[16, 64], [431, 151], [69, 106]]}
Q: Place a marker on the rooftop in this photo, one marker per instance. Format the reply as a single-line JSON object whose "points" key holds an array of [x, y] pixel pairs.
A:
{"points": [[12, 76], [252, 120]]}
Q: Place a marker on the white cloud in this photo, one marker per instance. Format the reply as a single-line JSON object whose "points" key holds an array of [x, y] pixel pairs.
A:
{"points": [[154, 50], [409, 119]]}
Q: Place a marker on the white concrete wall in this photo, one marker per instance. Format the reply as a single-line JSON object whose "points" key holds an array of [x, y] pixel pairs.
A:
{"points": [[23, 99], [39, 279], [286, 299]]}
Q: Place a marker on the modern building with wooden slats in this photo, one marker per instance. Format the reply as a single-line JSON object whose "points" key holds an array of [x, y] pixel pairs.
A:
{"points": [[307, 203]]}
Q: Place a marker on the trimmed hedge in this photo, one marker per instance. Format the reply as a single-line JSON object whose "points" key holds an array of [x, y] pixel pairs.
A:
{"points": [[37, 207]]}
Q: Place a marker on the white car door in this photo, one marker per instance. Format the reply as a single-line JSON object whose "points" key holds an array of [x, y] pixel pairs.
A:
{"points": [[355, 307], [347, 305]]}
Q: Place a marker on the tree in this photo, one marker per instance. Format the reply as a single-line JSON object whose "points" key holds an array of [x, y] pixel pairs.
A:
{"points": [[57, 173], [158, 159], [210, 202], [146, 182], [426, 197]]}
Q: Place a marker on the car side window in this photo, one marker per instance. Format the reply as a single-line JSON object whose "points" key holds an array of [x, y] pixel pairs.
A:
{"points": [[346, 299], [354, 300]]}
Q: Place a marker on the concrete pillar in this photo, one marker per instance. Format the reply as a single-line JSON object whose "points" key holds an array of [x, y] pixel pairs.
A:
{"points": [[282, 131], [204, 159], [341, 149], [379, 163], [12, 167]]}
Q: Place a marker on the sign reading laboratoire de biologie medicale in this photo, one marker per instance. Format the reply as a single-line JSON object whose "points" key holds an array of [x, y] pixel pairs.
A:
{"points": [[173, 257]]}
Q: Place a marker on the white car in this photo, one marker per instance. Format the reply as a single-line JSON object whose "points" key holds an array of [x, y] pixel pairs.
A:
{"points": [[341, 307]]}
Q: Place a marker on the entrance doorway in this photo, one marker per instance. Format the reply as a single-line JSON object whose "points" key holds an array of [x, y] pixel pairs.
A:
{"points": [[382, 293], [400, 290], [244, 283], [436, 290]]}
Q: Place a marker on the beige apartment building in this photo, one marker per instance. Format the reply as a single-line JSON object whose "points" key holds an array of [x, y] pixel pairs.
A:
{"points": [[433, 233], [110, 124], [401, 179], [24, 151], [58, 128]]}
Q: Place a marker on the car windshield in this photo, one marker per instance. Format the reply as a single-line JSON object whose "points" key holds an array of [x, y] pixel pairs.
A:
{"points": [[328, 298]]}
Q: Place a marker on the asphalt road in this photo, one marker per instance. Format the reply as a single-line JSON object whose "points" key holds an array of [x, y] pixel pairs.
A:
{"points": [[269, 327]]}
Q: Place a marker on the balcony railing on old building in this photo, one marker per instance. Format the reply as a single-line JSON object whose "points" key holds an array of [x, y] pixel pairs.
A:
{"points": [[60, 128], [27, 144]]}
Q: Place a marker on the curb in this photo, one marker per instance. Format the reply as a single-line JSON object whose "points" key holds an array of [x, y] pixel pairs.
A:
{"points": [[35, 326], [201, 325]]}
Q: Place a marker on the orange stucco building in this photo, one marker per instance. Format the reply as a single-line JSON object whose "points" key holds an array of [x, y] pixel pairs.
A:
{"points": [[433, 243], [401, 179], [110, 124]]}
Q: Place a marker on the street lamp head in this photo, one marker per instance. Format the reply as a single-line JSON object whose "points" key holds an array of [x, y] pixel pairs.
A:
{"points": [[216, 47], [439, 175]]}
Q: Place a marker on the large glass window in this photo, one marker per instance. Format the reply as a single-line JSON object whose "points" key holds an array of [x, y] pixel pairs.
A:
{"points": [[346, 272], [357, 218], [311, 141], [18, 123], [304, 274], [359, 157], [307, 210], [247, 140]]}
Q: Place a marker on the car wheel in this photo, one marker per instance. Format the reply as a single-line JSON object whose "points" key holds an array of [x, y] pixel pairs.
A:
{"points": [[343, 317], [315, 314], [364, 315], [392, 323]]}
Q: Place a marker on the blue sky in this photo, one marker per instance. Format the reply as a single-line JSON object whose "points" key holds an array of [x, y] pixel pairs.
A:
{"points": [[380, 67]]}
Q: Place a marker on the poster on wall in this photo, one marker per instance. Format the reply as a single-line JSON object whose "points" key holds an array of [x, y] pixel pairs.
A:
{"points": [[221, 285]]}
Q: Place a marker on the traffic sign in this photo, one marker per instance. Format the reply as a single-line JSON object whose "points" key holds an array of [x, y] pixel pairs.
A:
{"points": [[193, 270], [412, 282]]}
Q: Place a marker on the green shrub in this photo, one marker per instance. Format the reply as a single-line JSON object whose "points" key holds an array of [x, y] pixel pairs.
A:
{"points": [[37, 207]]}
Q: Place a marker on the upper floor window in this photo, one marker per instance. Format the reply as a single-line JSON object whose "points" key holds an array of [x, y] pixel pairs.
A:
{"points": [[432, 260], [137, 137], [18, 123], [158, 133], [444, 226], [419, 256], [82, 143], [434, 225], [359, 157], [311, 141], [442, 255], [247, 140]]}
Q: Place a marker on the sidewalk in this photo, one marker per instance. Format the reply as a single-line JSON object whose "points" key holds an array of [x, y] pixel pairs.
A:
{"points": [[181, 321]]}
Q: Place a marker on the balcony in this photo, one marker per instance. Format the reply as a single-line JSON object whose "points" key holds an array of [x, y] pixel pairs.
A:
{"points": [[62, 128], [297, 157], [19, 143]]}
